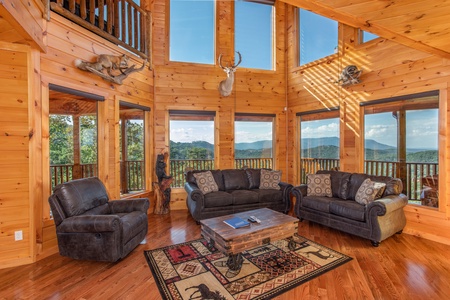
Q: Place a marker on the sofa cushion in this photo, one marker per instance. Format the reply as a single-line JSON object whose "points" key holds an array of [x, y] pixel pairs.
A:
{"points": [[368, 191], [206, 182], [217, 174], [348, 209], [339, 182], [218, 199], [318, 203], [266, 196], [270, 180], [254, 178], [394, 186], [244, 197], [235, 179], [319, 185]]}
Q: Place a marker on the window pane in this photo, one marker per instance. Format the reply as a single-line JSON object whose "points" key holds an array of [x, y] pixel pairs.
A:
{"points": [[253, 144], [318, 36], [73, 138], [380, 137], [192, 31], [253, 34], [367, 36], [132, 163], [191, 147], [319, 146], [416, 163]]}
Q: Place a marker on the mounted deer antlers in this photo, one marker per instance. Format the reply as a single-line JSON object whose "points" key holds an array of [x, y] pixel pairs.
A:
{"points": [[226, 85]]}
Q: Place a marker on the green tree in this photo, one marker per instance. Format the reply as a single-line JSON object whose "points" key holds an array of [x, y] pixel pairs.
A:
{"points": [[61, 139], [88, 139]]}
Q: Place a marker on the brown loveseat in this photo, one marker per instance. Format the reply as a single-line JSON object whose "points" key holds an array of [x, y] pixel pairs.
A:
{"points": [[376, 221], [89, 226], [238, 190]]}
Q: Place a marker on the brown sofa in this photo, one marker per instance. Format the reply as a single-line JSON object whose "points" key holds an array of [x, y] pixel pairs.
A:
{"points": [[238, 190], [375, 221], [89, 226]]}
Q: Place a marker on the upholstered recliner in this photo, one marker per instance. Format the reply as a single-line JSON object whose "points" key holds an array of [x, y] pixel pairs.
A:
{"points": [[89, 226]]}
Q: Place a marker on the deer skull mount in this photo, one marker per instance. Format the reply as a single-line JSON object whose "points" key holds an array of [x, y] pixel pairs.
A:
{"points": [[226, 85]]}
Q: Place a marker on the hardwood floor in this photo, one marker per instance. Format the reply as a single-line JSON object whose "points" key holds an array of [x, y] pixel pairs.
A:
{"points": [[403, 267]]}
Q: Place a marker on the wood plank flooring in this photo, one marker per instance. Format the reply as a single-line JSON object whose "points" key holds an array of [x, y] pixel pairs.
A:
{"points": [[403, 267]]}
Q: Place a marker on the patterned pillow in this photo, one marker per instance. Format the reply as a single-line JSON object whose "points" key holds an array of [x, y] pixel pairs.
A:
{"points": [[206, 182], [368, 191], [270, 180], [319, 185]]}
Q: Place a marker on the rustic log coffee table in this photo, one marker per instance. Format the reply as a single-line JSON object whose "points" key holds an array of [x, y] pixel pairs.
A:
{"points": [[274, 226]]}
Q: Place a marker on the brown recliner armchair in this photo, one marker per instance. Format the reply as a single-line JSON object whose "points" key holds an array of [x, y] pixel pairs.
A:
{"points": [[89, 226]]}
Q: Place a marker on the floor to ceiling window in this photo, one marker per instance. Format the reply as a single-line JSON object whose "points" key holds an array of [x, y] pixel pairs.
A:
{"points": [[401, 140]]}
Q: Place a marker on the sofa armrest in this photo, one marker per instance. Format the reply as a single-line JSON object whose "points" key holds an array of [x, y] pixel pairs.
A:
{"points": [[299, 192], [386, 205], [126, 206], [194, 193], [286, 188], [89, 223]]}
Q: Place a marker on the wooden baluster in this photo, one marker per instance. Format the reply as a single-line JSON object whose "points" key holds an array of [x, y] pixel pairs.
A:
{"points": [[109, 16], [101, 14], [72, 6], [117, 18], [83, 13], [92, 12], [136, 29], [130, 24]]}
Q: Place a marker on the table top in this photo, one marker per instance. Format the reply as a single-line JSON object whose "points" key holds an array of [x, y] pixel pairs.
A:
{"points": [[269, 219]]}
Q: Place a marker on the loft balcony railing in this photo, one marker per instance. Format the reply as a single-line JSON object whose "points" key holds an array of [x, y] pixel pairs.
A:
{"points": [[132, 174], [417, 176], [121, 22]]}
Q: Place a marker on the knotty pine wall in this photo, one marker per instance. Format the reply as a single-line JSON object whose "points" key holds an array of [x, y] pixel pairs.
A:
{"points": [[187, 86], [389, 69]]}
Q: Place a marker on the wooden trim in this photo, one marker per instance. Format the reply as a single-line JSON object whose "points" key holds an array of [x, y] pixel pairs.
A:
{"points": [[67, 90], [399, 98]]}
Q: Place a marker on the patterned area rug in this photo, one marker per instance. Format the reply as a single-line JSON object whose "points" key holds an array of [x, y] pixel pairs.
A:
{"points": [[193, 271]]}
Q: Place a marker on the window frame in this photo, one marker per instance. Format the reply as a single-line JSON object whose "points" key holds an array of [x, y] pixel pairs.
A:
{"points": [[168, 39], [298, 43], [272, 33], [411, 102], [313, 115], [252, 117]]}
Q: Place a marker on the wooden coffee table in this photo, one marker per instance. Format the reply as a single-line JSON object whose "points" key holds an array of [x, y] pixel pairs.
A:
{"points": [[274, 226]]}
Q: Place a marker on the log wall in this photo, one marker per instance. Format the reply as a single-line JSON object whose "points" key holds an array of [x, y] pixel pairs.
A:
{"points": [[389, 70], [189, 86]]}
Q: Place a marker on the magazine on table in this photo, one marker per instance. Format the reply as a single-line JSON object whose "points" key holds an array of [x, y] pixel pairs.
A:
{"points": [[236, 222]]}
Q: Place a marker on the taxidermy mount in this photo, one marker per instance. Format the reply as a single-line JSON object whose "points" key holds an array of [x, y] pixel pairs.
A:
{"points": [[109, 63], [350, 75], [226, 85]]}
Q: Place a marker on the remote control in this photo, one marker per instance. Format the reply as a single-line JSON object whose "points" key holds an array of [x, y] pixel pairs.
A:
{"points": [[255, 219]]}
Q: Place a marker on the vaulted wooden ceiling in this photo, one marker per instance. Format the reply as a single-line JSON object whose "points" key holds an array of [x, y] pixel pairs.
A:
{"points": [[419, 24]]}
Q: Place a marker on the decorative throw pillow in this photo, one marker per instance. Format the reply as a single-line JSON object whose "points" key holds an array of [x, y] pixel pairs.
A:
{"points": [[381, 188], [269, 180], [206, 182], [368, 191], [319, 185]]}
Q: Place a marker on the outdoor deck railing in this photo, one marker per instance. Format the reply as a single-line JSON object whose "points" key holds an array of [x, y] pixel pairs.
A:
{"points": [[121, 22], [179, 166], [133, 179], [240, 163], [413, 183], [63, 173]]}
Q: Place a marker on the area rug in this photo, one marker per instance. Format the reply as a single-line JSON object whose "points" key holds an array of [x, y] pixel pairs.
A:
{"points": [[193, 270]]}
